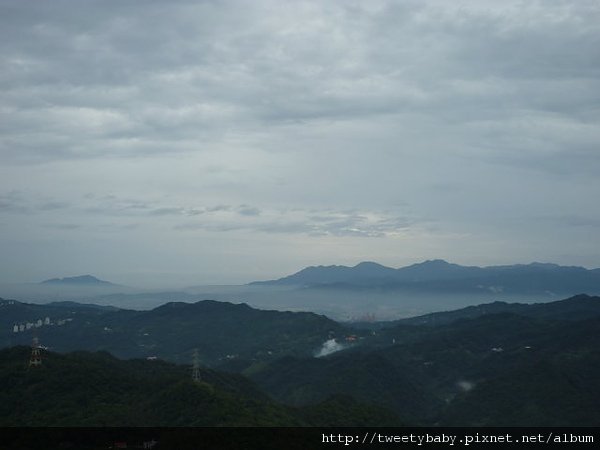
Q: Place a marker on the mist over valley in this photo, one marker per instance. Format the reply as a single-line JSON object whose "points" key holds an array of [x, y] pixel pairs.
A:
{"points": [[298, 214]]}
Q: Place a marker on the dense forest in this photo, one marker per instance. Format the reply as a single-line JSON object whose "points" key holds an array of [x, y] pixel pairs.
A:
{"points": [[492, 365], [97, 389]]}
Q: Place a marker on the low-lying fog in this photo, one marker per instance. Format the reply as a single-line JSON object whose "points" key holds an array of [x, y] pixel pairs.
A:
{"points": [[338, 304]]}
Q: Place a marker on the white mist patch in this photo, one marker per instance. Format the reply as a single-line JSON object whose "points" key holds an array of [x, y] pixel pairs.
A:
{"points": [[466, 385], [330, 346]]}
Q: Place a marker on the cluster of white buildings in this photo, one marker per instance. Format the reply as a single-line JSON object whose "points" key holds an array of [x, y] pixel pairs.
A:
{"points": [[21, 327]]}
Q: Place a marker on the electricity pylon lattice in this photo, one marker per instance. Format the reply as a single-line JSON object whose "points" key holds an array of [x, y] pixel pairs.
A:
{"points": [[196, 366], [36, 357]]}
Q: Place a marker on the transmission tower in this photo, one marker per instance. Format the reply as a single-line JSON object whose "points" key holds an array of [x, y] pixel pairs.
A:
{"points": [[36, 356], [196, 366]]}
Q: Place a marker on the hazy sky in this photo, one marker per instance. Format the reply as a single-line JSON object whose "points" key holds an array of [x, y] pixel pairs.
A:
{"points": [[203, 142]]}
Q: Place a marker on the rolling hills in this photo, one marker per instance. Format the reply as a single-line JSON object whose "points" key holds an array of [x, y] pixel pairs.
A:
{"points": [[495, 369], [220, 331], [493, 364], [96, 389]]}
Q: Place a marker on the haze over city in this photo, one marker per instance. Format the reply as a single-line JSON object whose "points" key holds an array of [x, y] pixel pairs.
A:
{"points": [[180, 143]]}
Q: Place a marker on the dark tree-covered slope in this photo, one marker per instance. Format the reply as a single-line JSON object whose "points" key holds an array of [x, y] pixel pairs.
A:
{"points": [[470, 372], [220, 331], [96, 389]]}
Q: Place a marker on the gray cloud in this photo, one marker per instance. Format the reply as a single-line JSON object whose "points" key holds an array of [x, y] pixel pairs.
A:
{"points": [[246, 210], [224, 68], [52, 205], [442, 129], [575, 221], [327, 223], [176, 211], [23, 202], [12, 202], [64, 226]]}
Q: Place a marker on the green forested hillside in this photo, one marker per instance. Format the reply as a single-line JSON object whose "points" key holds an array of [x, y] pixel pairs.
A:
{"points": [[535, 365], [574, 308], [494, 370], [220, 331], [96, 389]]}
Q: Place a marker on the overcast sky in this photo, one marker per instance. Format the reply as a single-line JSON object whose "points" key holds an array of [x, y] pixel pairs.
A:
{"points": [[199, 142]]}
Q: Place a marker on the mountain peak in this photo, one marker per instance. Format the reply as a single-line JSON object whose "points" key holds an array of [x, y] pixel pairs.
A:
{"points": [[436, 262], [368, 264], [78, 280], [542, 265]]}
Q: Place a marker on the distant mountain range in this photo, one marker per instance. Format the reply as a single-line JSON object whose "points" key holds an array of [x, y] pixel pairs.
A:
{"points": [[443, 277], [82, 280]]}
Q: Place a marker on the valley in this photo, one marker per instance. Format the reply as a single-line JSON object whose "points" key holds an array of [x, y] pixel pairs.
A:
{"points": [[466, 367]]}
